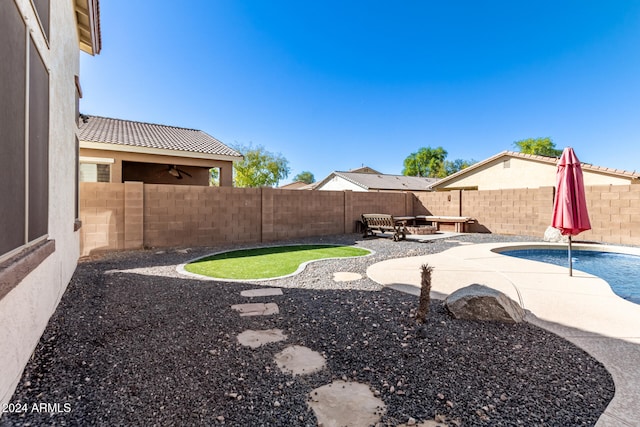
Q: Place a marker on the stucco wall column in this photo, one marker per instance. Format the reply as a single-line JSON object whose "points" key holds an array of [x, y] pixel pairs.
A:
{"points": [[226, 176], [133, 215], [116, 171]]}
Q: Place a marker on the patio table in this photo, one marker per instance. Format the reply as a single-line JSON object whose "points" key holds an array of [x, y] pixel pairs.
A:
{"points": [[405, 219]]}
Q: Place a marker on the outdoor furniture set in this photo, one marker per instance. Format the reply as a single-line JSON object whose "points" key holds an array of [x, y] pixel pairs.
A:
{"points": [[400, 226]]}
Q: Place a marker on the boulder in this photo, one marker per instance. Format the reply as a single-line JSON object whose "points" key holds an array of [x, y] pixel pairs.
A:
{"points": [[479, 302], [553, 235]]}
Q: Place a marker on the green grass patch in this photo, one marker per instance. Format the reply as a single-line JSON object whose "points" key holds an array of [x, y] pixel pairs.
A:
{"points": [[266, 263]]}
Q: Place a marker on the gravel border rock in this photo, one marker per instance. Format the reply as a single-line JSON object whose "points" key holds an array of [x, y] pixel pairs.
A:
{"points": [[135, 343]]}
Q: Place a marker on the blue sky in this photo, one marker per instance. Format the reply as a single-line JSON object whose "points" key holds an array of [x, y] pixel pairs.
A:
{"points": [[333, 85]]}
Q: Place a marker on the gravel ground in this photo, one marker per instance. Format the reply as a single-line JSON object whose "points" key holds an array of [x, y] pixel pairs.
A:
{"points": [[134, 343]]}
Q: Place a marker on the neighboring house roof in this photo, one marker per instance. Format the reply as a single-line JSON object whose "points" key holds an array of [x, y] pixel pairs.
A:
{"points": [[378, 181], [125, 135], [297, 185], [365, 169], [533, 157]]}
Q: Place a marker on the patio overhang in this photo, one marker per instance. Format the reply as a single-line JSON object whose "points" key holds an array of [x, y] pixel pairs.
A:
{"points": [[157, 151]]}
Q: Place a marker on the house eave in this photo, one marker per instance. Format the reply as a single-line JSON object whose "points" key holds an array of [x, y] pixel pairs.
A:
{"points": [[88, 25], [156, 151]]}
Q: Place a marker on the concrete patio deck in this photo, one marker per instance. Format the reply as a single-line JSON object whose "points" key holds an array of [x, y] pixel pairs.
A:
{"points": [[583, 308]]}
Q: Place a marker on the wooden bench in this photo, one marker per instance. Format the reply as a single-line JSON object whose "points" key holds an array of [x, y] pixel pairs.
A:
{"points": [[382, 223], [459, 222]]}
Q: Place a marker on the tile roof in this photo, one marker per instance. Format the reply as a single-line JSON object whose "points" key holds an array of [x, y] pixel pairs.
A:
{"points": [[364, 169], [297, 185], [147, 135], [370, 181]]}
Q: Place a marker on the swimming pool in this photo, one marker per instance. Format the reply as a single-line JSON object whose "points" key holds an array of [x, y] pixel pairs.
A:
{"points": [[621, 271]]}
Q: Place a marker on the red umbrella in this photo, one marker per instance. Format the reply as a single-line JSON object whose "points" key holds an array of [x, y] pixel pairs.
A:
{"points": [[570, 214]]}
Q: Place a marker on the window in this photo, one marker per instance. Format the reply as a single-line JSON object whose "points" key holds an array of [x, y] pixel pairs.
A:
{"points": [[42, 11], [38, 169], [24, 136], [506, 164], [95, 169], [92, 172], [77, 223]]}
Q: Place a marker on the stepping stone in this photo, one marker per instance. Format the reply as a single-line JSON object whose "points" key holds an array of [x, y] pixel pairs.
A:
{"points": [[343, 276], [344, 403], [257, 309], [263, 292], [255, 339], [299, 360]]}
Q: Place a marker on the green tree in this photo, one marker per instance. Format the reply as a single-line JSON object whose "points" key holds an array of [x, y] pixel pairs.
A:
{"points": [[260, 168], [426, 162], [214, 177], [539, 146], [305, 176], [451, 167]]}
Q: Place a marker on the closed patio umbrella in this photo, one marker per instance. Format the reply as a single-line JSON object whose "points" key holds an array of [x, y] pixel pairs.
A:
{"points": [[570, 214]]}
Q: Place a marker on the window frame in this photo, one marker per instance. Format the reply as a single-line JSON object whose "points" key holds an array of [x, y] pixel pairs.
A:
{"points": [[37, 145], [43, 7], [97, 161], [30, 250]]}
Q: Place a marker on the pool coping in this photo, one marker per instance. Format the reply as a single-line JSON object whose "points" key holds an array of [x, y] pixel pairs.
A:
{"points": [[582, 308]]}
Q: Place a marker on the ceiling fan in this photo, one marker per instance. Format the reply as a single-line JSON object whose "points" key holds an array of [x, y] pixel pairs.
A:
{"points": [[177, 172]]}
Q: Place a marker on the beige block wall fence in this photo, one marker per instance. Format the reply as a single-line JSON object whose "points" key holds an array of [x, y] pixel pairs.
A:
{"points": [[135, 215]]}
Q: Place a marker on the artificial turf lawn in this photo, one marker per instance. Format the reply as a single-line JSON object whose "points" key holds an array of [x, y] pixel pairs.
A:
{"points": [[265, 263]]}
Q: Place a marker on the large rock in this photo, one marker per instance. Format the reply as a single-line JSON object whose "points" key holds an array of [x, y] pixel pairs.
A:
{"points": [[478, 302], [554, 235]]}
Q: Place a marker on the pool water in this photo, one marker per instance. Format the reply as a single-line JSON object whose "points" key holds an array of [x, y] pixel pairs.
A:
{"points": [[621, 271]]}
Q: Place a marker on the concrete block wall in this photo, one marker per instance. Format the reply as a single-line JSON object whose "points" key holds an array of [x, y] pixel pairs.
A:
{"points": [[614, 212], [200, 216], [290, 214], [136, 215], [445, 203], [102, 212], [524, 211], [397, 204]]}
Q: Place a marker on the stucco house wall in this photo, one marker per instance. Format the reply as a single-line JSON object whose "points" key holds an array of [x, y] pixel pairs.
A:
{"points": [[30, 301], [117, 150], [519, 171], [197, 168]]}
